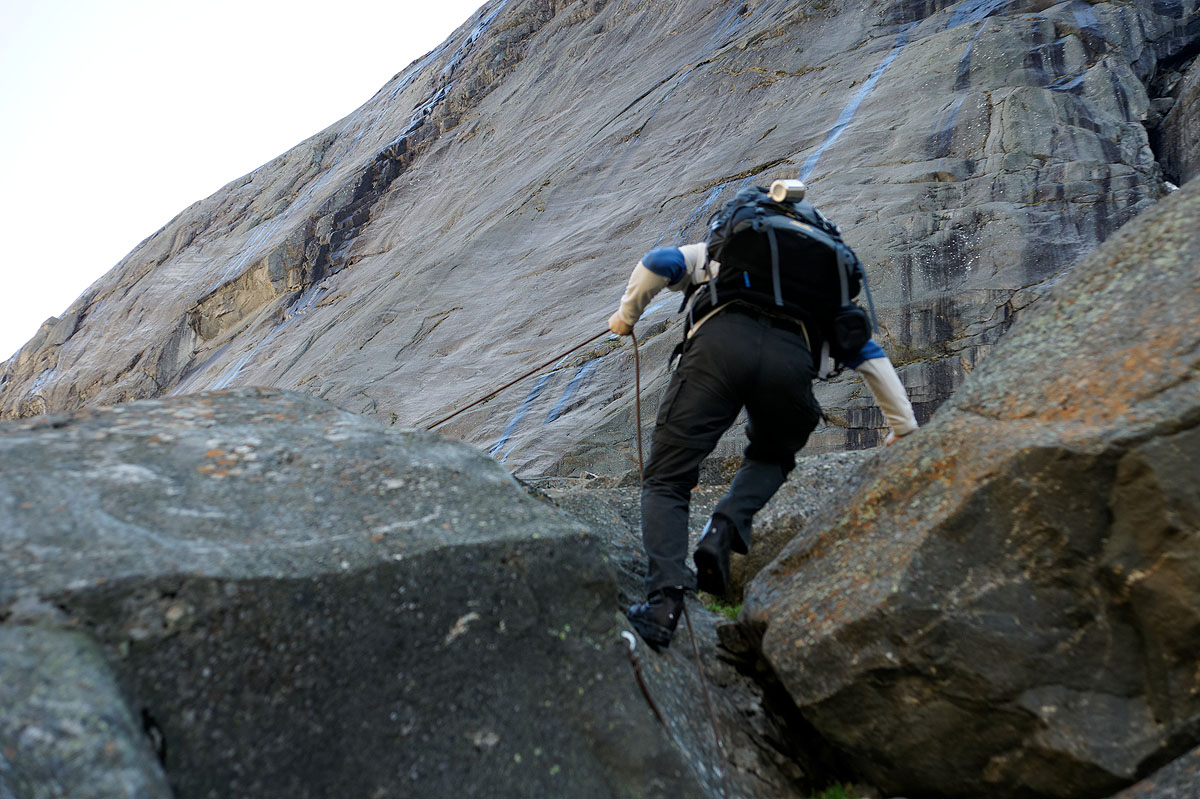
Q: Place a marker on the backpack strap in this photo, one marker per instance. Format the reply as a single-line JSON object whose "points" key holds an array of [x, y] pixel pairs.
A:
{"points": [[690, 307], [843, 262], [870, 302], [775, 284], [847, 261], [825, 366], [712, 288]]}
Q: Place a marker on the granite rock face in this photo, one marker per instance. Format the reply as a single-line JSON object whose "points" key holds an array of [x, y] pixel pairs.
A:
{"points": [[296, 601], [481, 212], [1008, 603]]}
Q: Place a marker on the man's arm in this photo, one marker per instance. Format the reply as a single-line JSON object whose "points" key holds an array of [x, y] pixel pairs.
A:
{"points": [[662, 267], [889, 393]]}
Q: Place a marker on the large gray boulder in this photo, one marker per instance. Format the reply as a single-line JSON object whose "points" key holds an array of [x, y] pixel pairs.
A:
{"points": [[1008, 603], [296, 601], [480, 213]]}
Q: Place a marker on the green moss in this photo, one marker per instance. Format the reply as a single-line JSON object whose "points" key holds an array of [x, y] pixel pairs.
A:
{"points": [[717, 606]]}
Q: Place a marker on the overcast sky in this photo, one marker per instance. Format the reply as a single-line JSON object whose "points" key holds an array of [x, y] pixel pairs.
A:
{"points": [[118, 114]]}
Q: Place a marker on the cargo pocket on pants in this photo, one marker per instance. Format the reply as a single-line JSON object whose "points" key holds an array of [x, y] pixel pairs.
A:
{"points": [[668, 400]]}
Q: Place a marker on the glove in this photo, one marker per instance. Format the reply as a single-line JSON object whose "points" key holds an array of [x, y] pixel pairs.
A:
{"points": [[618, 325]]}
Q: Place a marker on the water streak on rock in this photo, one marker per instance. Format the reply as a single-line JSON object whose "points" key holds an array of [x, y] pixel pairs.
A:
{"points": [[847, 116]]}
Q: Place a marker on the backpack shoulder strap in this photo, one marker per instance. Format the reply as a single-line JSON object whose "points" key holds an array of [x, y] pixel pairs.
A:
{"points": [[775, 281]]}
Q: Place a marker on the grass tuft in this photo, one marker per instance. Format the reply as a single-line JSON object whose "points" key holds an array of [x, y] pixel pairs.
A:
{"points": [[722, 608]]}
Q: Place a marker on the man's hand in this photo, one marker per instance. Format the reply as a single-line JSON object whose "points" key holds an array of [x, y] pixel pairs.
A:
{"points": [[618, 325]]}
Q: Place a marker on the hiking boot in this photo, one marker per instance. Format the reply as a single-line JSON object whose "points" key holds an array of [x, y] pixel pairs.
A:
{"points": [[712, 556], [655, 619]]}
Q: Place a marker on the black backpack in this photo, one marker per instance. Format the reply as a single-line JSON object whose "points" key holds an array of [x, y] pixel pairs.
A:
{"points": [[789, 260]]}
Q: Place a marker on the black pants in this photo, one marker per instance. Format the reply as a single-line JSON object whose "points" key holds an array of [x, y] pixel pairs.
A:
{"points": [[735, 360]]}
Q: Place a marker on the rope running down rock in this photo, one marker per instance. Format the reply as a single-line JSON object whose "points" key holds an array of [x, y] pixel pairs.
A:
{"points": [[512, 383]]}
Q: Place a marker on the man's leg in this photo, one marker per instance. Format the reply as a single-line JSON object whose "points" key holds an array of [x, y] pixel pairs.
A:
{"points": [[671, 474], [700, 404], [781, 414], [754, 484], [666, 491]]}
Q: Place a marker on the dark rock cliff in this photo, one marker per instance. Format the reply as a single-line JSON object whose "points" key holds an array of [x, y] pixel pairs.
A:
{"points": [[481, 212]]}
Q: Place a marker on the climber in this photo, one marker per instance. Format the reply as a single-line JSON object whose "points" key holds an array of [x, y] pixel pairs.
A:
{"points": [[738, 353]]}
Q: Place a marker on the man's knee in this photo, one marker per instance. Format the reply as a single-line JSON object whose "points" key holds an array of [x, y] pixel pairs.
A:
{"points": [[676, 486], [672, 466], [785, 460]]}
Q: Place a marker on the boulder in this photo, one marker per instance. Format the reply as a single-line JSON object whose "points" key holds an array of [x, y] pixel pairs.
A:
{"points": [[66, 730], [817, 482], [1008, 602], [296, 601]]}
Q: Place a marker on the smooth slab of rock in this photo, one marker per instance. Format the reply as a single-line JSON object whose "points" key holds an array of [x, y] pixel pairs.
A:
{"points": [[1008, 603], [301, 603], [481, 213], [65, 730]]}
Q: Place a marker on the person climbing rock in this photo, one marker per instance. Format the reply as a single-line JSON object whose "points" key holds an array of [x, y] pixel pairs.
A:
{"points": [[748, 345]]}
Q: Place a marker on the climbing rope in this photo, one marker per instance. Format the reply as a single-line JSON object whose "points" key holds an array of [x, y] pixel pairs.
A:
{"points": [[637, 401], [712, 713], [512, 383], [636, 663]]}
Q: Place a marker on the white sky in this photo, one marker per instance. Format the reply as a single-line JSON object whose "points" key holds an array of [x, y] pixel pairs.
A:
{"points": [[118, 114]]}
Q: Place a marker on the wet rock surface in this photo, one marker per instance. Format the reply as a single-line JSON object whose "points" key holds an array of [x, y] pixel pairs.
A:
{"points": [[298, 601], [1006, 603], [481, 213]]}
